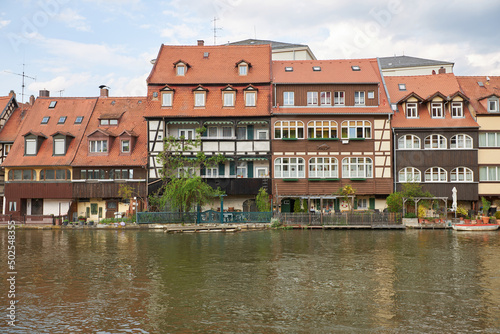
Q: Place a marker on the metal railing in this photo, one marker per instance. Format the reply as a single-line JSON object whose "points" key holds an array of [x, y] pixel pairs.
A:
{"points": [[350, 218], [205, 217]]}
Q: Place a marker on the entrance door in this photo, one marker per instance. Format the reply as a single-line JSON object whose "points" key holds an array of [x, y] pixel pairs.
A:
{"points": [[111, 208], [37, 206], [286, 205]]}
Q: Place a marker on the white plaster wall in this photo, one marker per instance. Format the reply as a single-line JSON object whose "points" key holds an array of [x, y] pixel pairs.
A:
{"points": [[55, 207], [263, 146]]}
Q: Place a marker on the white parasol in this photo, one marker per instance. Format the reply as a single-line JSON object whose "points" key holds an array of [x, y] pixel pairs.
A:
{"points": [[454, 196]]}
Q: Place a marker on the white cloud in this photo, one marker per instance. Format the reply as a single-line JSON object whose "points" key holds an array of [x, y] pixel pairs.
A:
{"points": [[4, 23], [74, 20]]}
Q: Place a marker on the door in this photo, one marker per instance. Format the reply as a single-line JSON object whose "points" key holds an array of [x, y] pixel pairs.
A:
{"points": [[285, 205], [36, 206], [111, 208]]}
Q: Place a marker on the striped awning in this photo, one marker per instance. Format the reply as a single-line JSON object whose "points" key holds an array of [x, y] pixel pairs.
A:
{"points": [[218, 122], [252, 158], [252, 122], [183, 122]]}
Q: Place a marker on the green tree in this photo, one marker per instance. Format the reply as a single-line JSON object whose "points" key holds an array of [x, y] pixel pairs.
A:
{"points": [[296, 205], [347, 193], [263, 200], [182, 189], [409, 191]]}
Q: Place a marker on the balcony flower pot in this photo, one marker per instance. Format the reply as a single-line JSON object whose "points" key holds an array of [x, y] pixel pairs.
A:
{"points": [[486, 220]]}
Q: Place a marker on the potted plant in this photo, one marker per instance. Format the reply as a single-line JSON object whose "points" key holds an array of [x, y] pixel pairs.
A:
{"points": [[486, 208], [91, 222], [65, 222]]}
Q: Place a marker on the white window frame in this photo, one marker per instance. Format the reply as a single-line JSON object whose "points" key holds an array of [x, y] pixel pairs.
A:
{"points": [[265, 173], [319, 127], [289, 167], [284, 129], [262, 131], [241, 169], [185, 170], [409, 174], [250, 99], [326, 98], [167, 99], [436, 174], [188, 134], [323, 168], [457, 110], [228, 98], [437, 110], [411, 110], [351, 129], [98, 146], [243, 69], [435, 142], [409, 142], [489, 139], [371, 94], [180, 69], [357, 167], [123, 145], [288, 98], [200, 99], [363, 203], [224, 134], [6, 149], [339, 98], [489, 173], [493, 105], [13, 206], [59, 146], [312, 98], [359, 98], [461, 142], [462, 174], [30, 146], [211, 172]]}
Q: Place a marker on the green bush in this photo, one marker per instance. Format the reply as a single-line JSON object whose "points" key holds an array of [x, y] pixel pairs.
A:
{"points": [[497, 215], [410, 215]]}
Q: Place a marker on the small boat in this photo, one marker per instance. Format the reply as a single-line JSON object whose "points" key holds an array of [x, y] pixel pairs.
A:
{"points": [[475, 227]]}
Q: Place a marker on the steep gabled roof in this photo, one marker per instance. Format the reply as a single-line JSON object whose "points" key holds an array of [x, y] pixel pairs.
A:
{"points": [[11, 128], [406, 61], [490, 85], [211, 64]]}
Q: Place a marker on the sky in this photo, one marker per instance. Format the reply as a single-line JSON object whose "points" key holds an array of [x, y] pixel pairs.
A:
{"points": [[71, 47]]}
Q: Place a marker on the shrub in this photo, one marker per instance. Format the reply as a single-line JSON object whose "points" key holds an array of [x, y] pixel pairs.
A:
{"points": [[410, 215]]}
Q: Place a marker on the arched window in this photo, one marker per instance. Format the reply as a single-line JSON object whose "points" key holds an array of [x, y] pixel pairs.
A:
{"points": [[461, 141], [322, 129], [289, 168], [461, 174], [435, 174], [357, 168], [356, 129], [409, 142], [323, 168], [410, 174], [289, 129], [435, 142]]}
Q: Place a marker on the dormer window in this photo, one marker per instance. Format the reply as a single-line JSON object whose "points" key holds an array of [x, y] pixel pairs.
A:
{"points": [[52, 104], [493, 104], [30, 146], [167, 96], [61, 141], [437, 110], [411, 110], [181, 69], [228, 96], [32, 142], [243, 67], [457, 109], [98, 146], [125, 146], [108, 121], [200, 95]]}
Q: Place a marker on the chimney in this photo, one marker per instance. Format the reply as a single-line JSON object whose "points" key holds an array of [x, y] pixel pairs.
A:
{"points": [[201, 42], [12, 93], [104, 91], [442, 70], [44, 93], [32, 100]]}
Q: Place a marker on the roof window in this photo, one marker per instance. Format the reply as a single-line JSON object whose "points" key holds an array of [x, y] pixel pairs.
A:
{"points": [[402, 86], [288, 69], [45, 120], [316, 68], [62, 120], [79, 120], [52, 104], [356, 68]]}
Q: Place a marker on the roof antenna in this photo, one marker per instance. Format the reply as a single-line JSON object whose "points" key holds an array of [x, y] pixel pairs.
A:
{"points": [[215, 29], [23, 85]]}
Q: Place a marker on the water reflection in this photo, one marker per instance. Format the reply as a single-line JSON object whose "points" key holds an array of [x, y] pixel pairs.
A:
{"points": [[267, 281]]}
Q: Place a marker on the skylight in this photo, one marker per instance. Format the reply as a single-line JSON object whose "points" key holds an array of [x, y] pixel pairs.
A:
{"points": [[316, 68], [356, 68], [288, 69], [52, 104], [62, 120], [402, 86], [79, 120], [45, 120], [480, 83]]}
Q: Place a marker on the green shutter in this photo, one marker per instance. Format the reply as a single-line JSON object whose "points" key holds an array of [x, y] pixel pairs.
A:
{"points": [[203, 171], [250, 169], [222, 168], [232, 168], [372, 204], [336, 204], [355, 204], [250, 132]]}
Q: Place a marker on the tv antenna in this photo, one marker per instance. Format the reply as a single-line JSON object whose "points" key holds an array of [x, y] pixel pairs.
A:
{"points": [[60, 92], [23, 85], [215, 29]]}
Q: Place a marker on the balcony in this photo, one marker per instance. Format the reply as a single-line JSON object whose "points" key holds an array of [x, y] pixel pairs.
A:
{"points": [[240, 186]]}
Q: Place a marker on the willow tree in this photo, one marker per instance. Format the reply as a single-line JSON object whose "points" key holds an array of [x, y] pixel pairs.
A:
{"points": [[183, 189]]}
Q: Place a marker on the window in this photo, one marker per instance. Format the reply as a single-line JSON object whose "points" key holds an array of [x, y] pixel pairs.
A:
{"points": [[211, 172], [437, 110], [125, 146], [457, 109], [356, 68], [113, 122], [212, 132], [356, 129], [30, 146], [228, 98], [186, 134], [435, 174], [489, 139], [289, 129], [461, 174], [241, 132], [185, 172], [181, 69], [59, 146], [371, 94], [261, 134], [104, 122], [461, 141], [55, 174], [121, 174], [326, 98], [12, 206], [199, 99], [288, 98], [45, 120], [493, 105], [357, 168], [79, 120], [261, 172], [359, 98], [166, 99], [288, 69], [22, 175], [227, 132], [241, 169], [409, 142], [402, 86], [316, 68], [93, 174], [362, 203], [62, 120], [323, 168], [409, 174], [6, 149], [250, 99], [52, 104], [489, 173], [411, 110], [339, 99], [93, 208], [243, 69], [435, 142], [322, 129], [289, 168], [98, 146], [312, 98]]}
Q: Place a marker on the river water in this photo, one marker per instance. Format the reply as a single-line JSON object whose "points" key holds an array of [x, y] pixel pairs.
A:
{"points": [[294, 281]]}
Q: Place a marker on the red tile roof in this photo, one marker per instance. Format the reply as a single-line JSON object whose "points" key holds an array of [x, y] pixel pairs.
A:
{"points": [[477, 93], [70, 107], [10, 130], [132, 121], [426, 86], [332, 71], [218, 67]]}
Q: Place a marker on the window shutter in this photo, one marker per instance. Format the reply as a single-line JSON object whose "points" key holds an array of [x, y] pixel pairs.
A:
{"points": [[250, 132], [250, 169], [222, 168], [372, 204], [232, 168], [203, 171], [336, 204], [355, 204]]}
